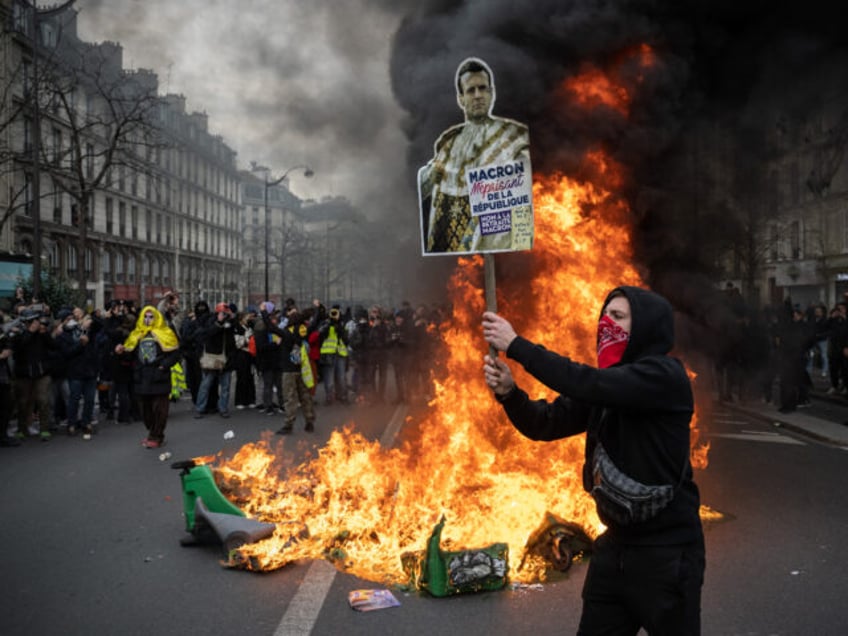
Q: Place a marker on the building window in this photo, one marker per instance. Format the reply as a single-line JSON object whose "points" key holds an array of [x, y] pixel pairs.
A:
{"points": [[133, 224], [27, 135], [130, 269], [122, 218], [57, 145], [106, 266], [145, 270], [89, 261], [110, 213], [774, 242], [845, 230], [48, 35], [795, 239], [89, 161], [71, 257], [119, 268], [57, 204], [53, 257], [28, 194], [20, 18], [148, 225]]}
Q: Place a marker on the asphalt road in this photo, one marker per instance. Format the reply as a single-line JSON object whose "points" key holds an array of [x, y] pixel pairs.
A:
{"points": [[91, 535]]}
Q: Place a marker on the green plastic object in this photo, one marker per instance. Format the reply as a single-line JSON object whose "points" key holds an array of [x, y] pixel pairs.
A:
{"points": [[443, 573], [200, 482]]}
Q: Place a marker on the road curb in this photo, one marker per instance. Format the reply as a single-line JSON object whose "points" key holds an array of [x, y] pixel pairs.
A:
{"points": [[776, 420]]}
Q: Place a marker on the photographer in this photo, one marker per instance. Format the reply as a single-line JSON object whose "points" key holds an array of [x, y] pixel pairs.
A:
{"points": [[333, 360], [78, 345], [399, 352], [6, 384], [33, 350], [217, 360]]}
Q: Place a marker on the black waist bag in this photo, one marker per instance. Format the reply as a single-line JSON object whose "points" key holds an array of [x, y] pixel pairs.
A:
{"points": [[621, 498]]}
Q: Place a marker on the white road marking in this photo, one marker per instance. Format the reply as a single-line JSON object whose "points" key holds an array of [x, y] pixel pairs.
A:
{"points": [[302, 612], [722, 420]]}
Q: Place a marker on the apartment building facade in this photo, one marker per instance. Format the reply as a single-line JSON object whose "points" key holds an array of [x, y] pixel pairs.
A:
{"points": [[124, 192]]}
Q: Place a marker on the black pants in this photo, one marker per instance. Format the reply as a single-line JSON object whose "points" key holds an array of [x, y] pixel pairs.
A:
{"points": [[657, 588], [154, 412]]}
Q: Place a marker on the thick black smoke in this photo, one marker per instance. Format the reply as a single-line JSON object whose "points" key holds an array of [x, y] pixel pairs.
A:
{"points": [[739, 67]]}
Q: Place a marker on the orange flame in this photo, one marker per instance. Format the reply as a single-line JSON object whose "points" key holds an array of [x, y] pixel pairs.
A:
{"points": [[594, 87], [361, 506]]}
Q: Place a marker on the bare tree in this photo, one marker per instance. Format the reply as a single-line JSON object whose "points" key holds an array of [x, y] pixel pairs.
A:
{"points": [[109, 117]]}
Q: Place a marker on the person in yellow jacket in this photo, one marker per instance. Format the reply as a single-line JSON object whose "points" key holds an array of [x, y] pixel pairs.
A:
{"points": [[154, 347], [333, 340]]}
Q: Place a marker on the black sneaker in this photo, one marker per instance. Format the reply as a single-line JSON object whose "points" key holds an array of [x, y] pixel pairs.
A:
{"points": [[310, 427], [286, 430], [225, 414]]}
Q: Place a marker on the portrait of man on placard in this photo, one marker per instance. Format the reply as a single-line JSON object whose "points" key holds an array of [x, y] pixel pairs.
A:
{"points": [[475, 194]]}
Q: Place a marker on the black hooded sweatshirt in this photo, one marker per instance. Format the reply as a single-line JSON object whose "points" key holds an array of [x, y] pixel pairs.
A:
{"points": [[640, 410]]}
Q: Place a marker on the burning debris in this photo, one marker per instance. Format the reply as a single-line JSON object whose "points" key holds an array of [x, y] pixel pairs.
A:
{"points": [[219, 521], [443, 573], [370, 510], [557, 542], [361, 506]]}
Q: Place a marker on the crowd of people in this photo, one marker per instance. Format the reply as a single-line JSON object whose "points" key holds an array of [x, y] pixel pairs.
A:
{"points": [[66, 370], [775, 354]]}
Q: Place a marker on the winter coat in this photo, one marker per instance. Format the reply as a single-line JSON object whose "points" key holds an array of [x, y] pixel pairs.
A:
{"points": [[82, 360]]}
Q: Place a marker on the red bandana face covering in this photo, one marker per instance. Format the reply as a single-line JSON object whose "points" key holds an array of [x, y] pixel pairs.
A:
{"points": [[612, 341]]}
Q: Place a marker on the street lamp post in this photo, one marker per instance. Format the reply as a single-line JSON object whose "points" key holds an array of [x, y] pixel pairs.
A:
{"points": [[269, 183]]}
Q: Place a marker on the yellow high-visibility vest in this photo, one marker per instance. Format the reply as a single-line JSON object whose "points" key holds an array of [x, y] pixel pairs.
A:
{"points": [[333, 344], [306, 367]]}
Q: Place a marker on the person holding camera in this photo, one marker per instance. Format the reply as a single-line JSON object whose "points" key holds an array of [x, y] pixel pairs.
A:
{"points": [[217, 359], [647, 568], [78, 345], [33, 350], [6, 406], [333, 357]]}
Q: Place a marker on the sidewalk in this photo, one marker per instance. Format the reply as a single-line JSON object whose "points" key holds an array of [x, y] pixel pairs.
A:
{"points": [[799, 421]]}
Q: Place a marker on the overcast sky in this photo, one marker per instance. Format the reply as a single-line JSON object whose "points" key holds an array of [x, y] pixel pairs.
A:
{"points": [[283, 82], [360, 89]]}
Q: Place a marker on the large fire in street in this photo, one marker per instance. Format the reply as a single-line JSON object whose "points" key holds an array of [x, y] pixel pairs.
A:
{"points": [[361, 505]]}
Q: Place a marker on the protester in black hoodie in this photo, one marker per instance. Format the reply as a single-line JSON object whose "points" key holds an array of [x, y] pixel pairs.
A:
{"points": [[635, 409]]}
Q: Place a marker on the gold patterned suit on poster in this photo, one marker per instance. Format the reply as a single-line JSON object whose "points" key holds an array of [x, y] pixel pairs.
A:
{"points": [[450, 226]]}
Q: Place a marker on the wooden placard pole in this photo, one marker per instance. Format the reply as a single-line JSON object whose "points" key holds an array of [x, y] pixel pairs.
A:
{"points": [[491, 296]]}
